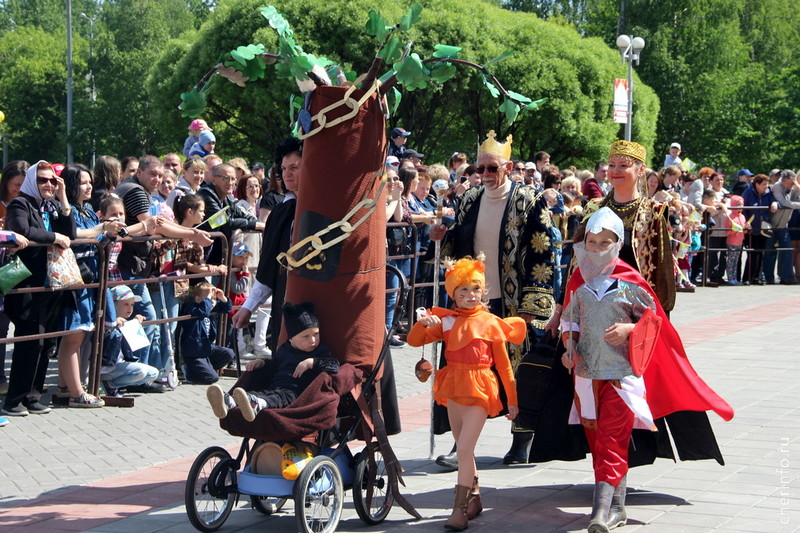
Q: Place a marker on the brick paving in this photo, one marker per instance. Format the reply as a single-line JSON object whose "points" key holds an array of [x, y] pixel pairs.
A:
{"points": [[118, 470]]}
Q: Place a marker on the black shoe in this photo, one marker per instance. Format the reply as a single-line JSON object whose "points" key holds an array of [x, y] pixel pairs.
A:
{"points": [[396, 342], [450, 460], [147, 388], [520, 449], [788, 282], [36, 407]]}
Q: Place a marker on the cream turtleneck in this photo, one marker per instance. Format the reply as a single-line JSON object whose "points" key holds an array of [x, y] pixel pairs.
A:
{"points": [[487, 233]]}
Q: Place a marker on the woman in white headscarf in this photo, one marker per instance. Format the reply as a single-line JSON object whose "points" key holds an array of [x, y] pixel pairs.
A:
{"points": [[36, 215]]}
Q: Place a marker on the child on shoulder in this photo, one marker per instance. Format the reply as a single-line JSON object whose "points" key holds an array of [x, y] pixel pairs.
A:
{"points": [[297, 362], [202, 359], [475, 342]]}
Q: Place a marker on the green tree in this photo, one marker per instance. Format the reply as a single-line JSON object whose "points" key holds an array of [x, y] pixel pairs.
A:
{"points": [[132, 34], [33, 91], [552, 61]]}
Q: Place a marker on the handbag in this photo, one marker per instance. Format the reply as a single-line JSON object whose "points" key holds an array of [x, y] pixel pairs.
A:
{"points": [[62, 268], [12, 274]]}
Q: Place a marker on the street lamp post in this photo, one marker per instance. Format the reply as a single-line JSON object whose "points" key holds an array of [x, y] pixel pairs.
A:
{"points": [[630, 47], [93, 94], [69, 82]]}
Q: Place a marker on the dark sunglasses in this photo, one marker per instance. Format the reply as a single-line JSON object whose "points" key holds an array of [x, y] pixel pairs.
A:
{"points": [[491, 168], [42, 181]]}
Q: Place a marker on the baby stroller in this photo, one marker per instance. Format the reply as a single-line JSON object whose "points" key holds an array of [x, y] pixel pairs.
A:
{"points": [[344, 406]]}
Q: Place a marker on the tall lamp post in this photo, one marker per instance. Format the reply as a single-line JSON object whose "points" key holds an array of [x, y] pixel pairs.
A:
{"points": [[69, 82], [93, 94], [630, 47]]}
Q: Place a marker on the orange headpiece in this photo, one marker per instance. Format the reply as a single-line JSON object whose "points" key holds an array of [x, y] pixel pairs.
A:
{"points": [[465, 271]]}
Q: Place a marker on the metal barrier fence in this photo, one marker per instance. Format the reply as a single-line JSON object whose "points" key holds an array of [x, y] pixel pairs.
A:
{"points": [[101, 303]]}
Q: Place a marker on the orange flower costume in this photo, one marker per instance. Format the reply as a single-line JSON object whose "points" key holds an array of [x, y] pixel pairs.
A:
{"points": [[475, 340]]}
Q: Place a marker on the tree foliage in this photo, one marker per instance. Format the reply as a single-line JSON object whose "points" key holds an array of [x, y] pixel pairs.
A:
{"points": [[552, 61], [724, 71]]}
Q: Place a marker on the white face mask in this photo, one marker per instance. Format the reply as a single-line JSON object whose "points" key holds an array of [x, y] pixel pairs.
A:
{"points": [[596, 266]]}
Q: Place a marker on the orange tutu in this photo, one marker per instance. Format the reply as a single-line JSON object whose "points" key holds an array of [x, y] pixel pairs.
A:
{"points": [[468, 384]]}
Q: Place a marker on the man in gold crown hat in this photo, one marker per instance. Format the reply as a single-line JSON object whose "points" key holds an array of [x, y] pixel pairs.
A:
{"points": [[508, 222]]}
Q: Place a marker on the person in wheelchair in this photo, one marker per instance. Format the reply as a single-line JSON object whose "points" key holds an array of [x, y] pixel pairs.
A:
{"points": [[296, 363]]}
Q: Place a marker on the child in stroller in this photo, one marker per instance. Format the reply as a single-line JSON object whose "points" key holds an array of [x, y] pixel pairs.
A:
{"points": [[297, 362]]}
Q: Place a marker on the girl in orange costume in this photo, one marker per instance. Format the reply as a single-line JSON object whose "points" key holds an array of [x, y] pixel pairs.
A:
{"points": [[475, 341]]}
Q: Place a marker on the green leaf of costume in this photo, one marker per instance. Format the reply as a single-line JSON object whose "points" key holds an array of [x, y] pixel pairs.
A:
{"points": [[277, 21], [443, 72], [394, 97], [392, 50], [511, 110], [243, 54], [233, 75], [253, 69], [505, 55], [535, 104], [444, 51], [411, 18], [411, 73], [376, 25], [521, 99], [193, 103], [494, 91]]}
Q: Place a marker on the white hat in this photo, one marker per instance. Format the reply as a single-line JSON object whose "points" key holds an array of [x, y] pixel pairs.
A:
{"points": [[605, 218], [675, 145], [392, 161], [530, 166]]}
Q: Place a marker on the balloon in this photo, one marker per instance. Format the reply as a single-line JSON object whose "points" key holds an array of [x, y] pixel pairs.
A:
{"points": [[2, 117]]}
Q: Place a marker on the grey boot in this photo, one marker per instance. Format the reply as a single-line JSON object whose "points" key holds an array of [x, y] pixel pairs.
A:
{"points": [[617, 515], [603, 492]]}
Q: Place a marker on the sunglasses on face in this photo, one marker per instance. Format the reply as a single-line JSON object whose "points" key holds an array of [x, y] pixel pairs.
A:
{"points": [[490, 168], [42, 181]]}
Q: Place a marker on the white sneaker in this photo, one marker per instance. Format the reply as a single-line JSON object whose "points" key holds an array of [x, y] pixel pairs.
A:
{"points": [[263, 353]]}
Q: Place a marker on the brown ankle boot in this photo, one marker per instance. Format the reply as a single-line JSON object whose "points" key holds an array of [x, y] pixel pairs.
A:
{"points": [[474, 505], [458, 520]]}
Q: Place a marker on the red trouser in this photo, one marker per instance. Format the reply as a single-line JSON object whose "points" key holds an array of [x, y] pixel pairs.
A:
{"points": [[609, 440]]}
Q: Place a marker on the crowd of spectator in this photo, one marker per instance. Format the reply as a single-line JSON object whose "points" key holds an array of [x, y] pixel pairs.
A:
{"points": [[743, 231]]}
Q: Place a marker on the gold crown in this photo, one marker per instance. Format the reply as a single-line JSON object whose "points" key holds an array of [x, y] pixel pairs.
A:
{"points": [[632, 149], [491, 146]]}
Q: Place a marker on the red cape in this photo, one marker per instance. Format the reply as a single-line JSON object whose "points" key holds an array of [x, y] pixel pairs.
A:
{"points": [[672, 383]]}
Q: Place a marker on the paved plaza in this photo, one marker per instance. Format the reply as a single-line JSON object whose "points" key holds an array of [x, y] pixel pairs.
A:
{"points": [[123, 470]]}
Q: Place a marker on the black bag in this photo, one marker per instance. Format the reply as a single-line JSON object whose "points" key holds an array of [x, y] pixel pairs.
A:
{"points": [[86, 273], [533, 380], [397, 240]]}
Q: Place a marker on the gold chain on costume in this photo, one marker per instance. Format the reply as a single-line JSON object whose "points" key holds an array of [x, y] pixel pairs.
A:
{"points": [[354, 105], [315, 241]]}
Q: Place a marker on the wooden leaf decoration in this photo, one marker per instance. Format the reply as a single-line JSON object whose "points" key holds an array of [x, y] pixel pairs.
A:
{"points": [[444, 51], [233, 75], [392, 50]]}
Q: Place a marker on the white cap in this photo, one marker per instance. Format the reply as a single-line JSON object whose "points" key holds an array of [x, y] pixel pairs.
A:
{"points": [[605, 218], [392, 160], [675, 145], [530, 166]]}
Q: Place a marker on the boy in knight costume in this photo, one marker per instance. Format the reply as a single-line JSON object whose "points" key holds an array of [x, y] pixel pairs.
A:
{"points": [[605, 299]]}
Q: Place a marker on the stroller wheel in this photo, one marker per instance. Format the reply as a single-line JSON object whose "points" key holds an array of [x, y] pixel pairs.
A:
{"points": [[373, 505], [207, 512], [318, 495], [266, 504]]}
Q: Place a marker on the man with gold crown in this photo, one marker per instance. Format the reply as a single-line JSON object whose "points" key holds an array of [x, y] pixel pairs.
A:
{"points": [[508, 223]]}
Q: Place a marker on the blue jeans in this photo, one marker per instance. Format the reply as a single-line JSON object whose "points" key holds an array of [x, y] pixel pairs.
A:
{"points": [[393, 283], [148, 311], [781, 239], [167, 340], [129, 373]]}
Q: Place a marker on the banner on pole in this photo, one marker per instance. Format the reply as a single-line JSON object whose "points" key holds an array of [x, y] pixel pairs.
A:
{"points": [[621, 101]]}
